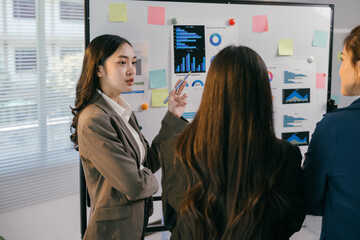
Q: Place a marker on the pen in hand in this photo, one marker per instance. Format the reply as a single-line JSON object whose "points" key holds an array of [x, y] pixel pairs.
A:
{"points": [[178, 86]]}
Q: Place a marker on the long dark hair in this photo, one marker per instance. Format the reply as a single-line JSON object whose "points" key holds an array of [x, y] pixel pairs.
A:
{"points": [[352, 45], [96, 54], [225, 150]]}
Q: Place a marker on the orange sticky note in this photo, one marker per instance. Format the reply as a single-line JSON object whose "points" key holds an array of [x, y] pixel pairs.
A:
{"points": [[156, 15], [320, 80], [260, 23]]}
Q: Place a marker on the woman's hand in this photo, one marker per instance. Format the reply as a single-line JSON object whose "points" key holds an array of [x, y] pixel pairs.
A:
{"points": [[177, 100]]}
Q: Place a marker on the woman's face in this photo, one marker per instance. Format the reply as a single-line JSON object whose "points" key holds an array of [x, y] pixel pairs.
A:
{"points": [[118, 72], [350, 75]]}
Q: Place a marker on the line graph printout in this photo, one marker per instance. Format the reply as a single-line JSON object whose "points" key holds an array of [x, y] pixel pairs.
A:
{"points": [[296, 138], [291, 96]]}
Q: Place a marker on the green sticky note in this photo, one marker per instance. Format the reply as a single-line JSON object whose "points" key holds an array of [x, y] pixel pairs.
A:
{"points": [[157, 78], [285, 47], [158, 96], [336, 98], [320, 38], [117, 12]]}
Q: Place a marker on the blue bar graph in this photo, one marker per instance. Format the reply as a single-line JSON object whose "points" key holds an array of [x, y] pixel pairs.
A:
{"points": [[290, 77], [290, 121], [189, 48]]}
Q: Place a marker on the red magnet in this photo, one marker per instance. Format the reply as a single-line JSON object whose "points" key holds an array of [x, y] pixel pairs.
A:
{"points": [[232, 21]]}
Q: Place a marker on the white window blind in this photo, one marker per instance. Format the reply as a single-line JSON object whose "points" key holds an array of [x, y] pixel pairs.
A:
{"points": [[41, 51]]}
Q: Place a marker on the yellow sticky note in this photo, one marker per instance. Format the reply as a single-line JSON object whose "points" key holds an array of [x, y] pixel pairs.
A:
{"points": [[339, 56], [117, 12], [158, 96], [285, 47]]}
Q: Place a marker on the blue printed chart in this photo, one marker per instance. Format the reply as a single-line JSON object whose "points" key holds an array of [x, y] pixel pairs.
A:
{"points": [[299, 119], [291, 96], [290, 121], [292, 77], [197, 83], [193, 49], [189, 48], [292, 84], [216, 38], [296, 138]]}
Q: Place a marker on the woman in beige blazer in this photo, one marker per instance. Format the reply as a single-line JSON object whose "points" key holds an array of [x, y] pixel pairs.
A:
{"points": [[117, 161]]}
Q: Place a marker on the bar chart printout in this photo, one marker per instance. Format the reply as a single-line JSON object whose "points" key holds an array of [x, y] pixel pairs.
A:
{"points": [[291, 121], [291, 77], [189, 48]]}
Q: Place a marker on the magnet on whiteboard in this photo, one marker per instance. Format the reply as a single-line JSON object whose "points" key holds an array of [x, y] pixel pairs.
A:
{"points": [[310, 59], [173, 21], [144, 106], [231, 21]]}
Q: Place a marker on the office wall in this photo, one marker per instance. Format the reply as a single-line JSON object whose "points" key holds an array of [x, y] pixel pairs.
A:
{"points": [[60, 218]]}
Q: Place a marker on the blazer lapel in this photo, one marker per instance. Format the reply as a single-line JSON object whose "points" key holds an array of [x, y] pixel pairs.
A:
{"points": [[101, 103], [133, 122]]}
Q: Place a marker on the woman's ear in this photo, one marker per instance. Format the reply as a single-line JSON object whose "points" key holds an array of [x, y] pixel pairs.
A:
{"points": [[100, 71]]}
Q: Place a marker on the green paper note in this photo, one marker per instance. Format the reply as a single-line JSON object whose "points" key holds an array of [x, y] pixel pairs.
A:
{"points": [[157, 78], [320, 38]]}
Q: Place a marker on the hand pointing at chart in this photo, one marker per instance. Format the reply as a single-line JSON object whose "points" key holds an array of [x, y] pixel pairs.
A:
{"points": [[177, 100]]}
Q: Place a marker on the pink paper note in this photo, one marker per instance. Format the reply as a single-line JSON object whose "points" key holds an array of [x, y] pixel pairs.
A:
{"points": [[156, 15], [320, 80], [260, 23]]}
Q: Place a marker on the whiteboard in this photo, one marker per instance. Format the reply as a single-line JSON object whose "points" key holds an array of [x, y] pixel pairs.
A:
{"points": [[298, 22]]}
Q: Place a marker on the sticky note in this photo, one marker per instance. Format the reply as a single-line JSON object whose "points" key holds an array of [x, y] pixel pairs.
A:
{"points": [[117, 12], [157, 78], [320, 38], [156, 15], [320, 80], [285, 47], [339, 56], [260, 23], [158, 96], [336, 98]]}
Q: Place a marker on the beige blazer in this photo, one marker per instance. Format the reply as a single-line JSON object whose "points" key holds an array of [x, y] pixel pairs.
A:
{"points": [[110, 158]]}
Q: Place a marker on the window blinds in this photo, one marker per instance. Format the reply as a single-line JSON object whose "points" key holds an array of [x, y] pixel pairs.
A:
{"points": [[41, 51]]}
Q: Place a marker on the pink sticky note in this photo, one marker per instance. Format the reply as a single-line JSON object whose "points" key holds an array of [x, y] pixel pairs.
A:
{"points": [[156, 15], [260, 23], [320, 80]]}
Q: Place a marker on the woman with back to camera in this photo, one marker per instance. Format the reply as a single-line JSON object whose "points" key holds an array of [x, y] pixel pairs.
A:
{"points": [[117, 161], [332, 164], [231, 178]]}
